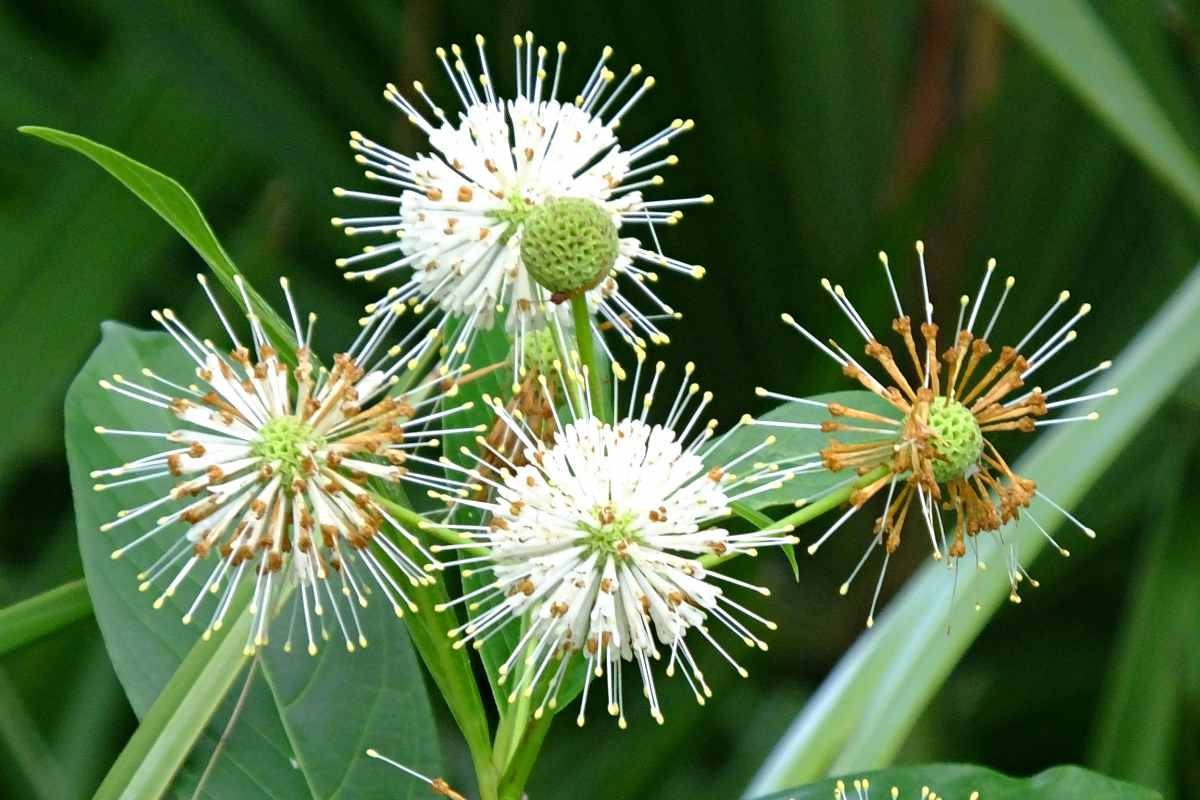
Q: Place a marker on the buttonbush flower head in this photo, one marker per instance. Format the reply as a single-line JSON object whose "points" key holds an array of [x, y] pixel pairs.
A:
{"points": [[522, 203], [601, 541], [267, 471], [940, 449]]}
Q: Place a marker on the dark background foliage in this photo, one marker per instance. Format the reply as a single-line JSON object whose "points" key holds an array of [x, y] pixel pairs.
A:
{"points": [[827, 131]]}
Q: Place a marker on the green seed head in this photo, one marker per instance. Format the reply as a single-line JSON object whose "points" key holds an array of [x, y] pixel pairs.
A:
{"points": [[956, 437], [569, 244], [286, 440]]}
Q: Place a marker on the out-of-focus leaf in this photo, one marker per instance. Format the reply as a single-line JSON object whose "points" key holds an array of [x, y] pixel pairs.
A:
{"points": [[870, 701], [1139, 719], [43, 615], [307, 721], [26, 746], [1076, 45], [955, 781], [172, 202]]}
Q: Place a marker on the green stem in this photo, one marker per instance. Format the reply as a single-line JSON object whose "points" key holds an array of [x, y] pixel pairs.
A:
{"points": [[43, 615], [808, 512], [412, 519], [587, 351], [516, 774]]}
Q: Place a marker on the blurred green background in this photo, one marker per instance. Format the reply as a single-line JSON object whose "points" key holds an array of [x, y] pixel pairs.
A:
{"points": [[826, 130]]}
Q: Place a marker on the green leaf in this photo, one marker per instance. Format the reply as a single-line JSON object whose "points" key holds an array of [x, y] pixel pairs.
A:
{"points": [[43, 615], [958, 781], [1140, 716], [1074, 42], [307, 721], [791, 443], [172, 202], [867, 705]]}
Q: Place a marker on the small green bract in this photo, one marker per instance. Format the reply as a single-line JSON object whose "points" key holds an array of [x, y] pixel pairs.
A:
{"points": [[956, 436], [569, 244], [286, 440]]}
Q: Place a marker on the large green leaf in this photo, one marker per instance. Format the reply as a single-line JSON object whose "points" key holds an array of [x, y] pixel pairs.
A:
{"points": [[307, 720], [958, 781], [868, 704]]}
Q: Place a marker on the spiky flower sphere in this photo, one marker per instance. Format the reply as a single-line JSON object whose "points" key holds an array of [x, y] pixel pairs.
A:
{"points": [[268, 471], [601, 543], [569, 245], [937, 454], [520, 200]]}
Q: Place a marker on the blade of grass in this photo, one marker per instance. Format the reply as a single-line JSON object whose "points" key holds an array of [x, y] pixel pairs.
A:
{"points": [[867, 705], [43, 615]]}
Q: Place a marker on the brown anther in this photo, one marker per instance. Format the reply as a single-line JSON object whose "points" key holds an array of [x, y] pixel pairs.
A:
{"points": [[442, 788], [434, 194], [175, 464], [465, 193]]}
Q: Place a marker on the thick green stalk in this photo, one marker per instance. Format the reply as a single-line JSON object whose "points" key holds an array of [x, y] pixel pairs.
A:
{"points": [[43, 615], [520, 766], [412, 519], [587, 351]]}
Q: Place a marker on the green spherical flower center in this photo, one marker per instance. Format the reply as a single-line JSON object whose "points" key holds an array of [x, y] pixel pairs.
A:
{"points": [[286, 440], [569, 244], [956, 437], [610, 531], [539, 350]]}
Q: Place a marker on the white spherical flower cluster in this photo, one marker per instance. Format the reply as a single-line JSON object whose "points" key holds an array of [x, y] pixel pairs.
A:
{"points": [[457, 216]]}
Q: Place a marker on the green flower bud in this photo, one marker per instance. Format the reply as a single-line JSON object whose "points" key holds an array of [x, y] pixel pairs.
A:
{"points": [[956, 437], [539, 350], [569, 245]]}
